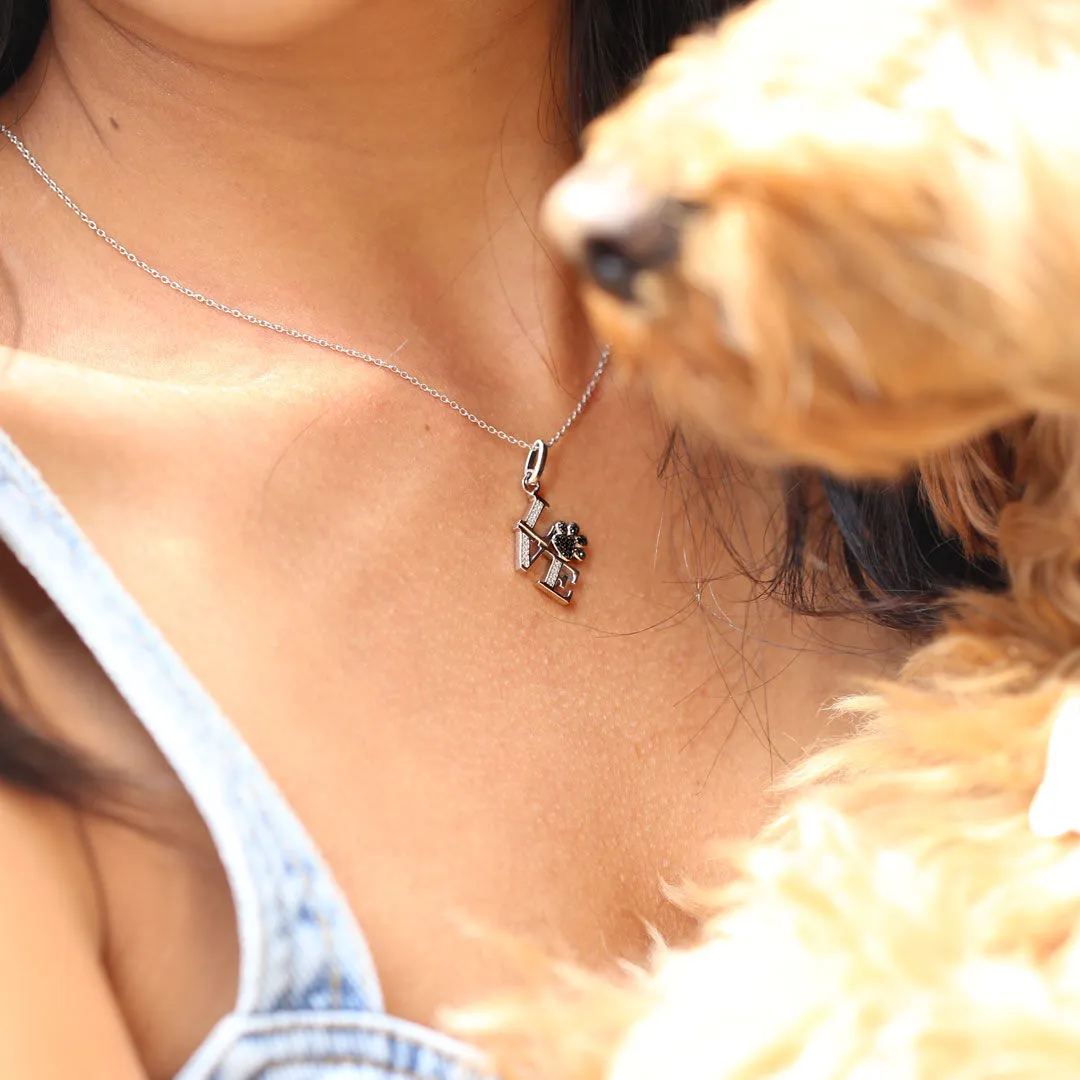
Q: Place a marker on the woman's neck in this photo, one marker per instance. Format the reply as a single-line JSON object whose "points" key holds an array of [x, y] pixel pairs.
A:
{"points": [[374, 173]]}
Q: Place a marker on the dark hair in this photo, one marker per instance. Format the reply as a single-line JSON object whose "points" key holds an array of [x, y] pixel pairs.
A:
{"points": [[897, 562], [21, 24]]}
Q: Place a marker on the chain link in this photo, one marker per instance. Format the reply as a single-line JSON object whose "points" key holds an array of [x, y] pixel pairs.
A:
{"points": [[291, 332]]}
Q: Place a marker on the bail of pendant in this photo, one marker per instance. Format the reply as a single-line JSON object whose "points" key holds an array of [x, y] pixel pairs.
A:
{"points": [[534, 467]]}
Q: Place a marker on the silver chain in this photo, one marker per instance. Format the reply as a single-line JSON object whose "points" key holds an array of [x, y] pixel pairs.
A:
{"points": [[291, 332]]}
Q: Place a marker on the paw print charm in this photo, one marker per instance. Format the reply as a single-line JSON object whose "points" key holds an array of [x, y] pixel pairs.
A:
{"points": [[567, 540]]}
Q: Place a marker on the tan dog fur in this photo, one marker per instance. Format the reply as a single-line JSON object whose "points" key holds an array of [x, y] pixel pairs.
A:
{"points": [[885, 262]]}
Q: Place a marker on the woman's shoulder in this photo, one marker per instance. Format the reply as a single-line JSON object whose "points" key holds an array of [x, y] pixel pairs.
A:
{"points": [[58, 1016], [87, 433], [95, 860], [111, 441]]}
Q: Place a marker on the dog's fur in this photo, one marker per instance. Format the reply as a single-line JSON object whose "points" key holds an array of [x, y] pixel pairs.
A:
{"points": [[882, 263]]}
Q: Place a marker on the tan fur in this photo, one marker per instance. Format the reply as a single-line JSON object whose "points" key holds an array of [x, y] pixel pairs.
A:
{"points": [[886, 266], [889, 230]]}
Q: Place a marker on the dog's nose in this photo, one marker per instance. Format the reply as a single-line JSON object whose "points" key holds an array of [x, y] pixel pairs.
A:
{"points": [[611, 228]]}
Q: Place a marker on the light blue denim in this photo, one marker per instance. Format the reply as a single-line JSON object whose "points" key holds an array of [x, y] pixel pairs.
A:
{"points": [[309, 1006]]}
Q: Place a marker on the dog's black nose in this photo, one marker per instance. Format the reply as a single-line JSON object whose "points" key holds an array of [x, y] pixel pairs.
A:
{"points": [[614, 261], [611, 228]]}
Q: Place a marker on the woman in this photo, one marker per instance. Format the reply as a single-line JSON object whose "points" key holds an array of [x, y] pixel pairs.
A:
{"points": [[327, 549]]}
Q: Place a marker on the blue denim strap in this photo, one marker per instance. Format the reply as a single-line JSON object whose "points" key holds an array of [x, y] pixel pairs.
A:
{"points": [[301, 949]]}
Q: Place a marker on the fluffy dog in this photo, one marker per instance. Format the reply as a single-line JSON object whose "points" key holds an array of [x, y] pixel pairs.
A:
{"points": [[847, 233]]}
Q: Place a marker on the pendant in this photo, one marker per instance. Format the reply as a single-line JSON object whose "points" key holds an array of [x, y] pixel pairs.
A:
{"points": [[562, 545]]}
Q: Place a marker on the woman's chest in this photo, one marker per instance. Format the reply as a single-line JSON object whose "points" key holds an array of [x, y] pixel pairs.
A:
{"points": [[467, 754]]}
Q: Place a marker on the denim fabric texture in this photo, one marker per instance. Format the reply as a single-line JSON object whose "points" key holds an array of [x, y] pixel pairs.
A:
{"points": [[309, 1005]]}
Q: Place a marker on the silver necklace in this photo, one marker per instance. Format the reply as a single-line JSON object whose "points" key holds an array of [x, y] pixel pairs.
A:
{"points": [[562, 545]]}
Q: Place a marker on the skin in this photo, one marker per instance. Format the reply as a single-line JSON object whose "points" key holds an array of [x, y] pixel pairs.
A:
{"points": [[327, 549]]}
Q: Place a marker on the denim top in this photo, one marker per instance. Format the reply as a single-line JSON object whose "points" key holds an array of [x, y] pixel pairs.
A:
{"points": [[309, 1005]]}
